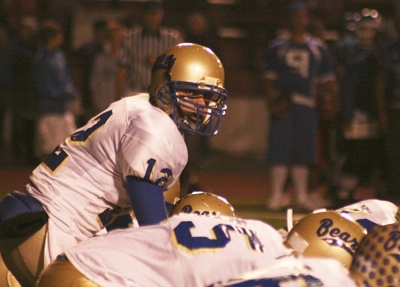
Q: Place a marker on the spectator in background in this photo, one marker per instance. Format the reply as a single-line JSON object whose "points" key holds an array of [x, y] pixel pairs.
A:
{"points": [[140, 48], [361, 141], [328, 105], [55, 91], [22, 52], [189, 256], [122, 160], [293, 68], [5, 85], [197, 28], [388, 108], [86, 56], [104, 72]]}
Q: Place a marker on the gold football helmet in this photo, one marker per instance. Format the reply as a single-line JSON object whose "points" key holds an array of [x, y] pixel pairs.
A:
{"points": [[377, 260], [203, 203], [196, 70], [326, 234]]}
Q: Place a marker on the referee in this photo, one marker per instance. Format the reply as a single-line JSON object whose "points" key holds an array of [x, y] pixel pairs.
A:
{"points": [[141, 46]]}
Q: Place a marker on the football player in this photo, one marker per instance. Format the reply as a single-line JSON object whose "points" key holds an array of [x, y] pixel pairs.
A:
{"points": [[123, 158], [375, 260], [193, 247], [376, 263], [326, 234], [337, 234]]}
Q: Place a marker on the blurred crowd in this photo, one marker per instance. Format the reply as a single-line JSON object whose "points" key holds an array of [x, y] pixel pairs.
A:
{"points": [[362, 141], [334, 109], [48, 89]]}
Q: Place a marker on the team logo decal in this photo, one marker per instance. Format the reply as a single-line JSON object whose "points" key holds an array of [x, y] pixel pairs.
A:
{"points": [[164, 62], [335, 237]]}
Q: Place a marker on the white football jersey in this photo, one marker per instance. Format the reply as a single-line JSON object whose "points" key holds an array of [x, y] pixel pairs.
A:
{"points": [[295, 272], [86, 174], [184, 250], [371, 212]]}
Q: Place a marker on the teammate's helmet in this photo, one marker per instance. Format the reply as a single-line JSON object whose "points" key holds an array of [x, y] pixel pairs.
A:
{"points": [[172, 194], [203, 203], [193, 69], [326, 234], [377, 260]]}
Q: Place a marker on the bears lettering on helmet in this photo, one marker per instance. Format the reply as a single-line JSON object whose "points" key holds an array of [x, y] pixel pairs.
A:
{"points": [[203, 203], [326, 234]]}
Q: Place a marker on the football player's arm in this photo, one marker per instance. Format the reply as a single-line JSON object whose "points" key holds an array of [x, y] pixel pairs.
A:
{"points": [[147, 201]]}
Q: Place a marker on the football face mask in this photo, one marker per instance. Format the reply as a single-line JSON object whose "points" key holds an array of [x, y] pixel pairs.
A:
{"points": [[195, 109], [188, 84]]}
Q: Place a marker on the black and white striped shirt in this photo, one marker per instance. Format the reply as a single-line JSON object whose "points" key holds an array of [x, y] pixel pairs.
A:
{"points": [[139, 51]]}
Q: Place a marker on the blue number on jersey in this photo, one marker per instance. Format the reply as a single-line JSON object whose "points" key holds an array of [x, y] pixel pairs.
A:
{"points": [[58, 157], [184, 237], [84, 135]]}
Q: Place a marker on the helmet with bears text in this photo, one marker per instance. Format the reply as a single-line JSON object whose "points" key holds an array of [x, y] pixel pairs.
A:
{"points": [[194, 70], [377, 260], [326, 234], [203, 203]]}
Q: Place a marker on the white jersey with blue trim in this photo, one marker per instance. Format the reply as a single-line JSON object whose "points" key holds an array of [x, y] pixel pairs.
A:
{"points": [[371, 212], [184, 250], [86, 174], [295, 272]]}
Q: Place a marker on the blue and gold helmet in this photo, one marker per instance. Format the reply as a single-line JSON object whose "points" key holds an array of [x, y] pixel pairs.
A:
{"points": [[377, 260], [326, 234], [193, 69]]}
